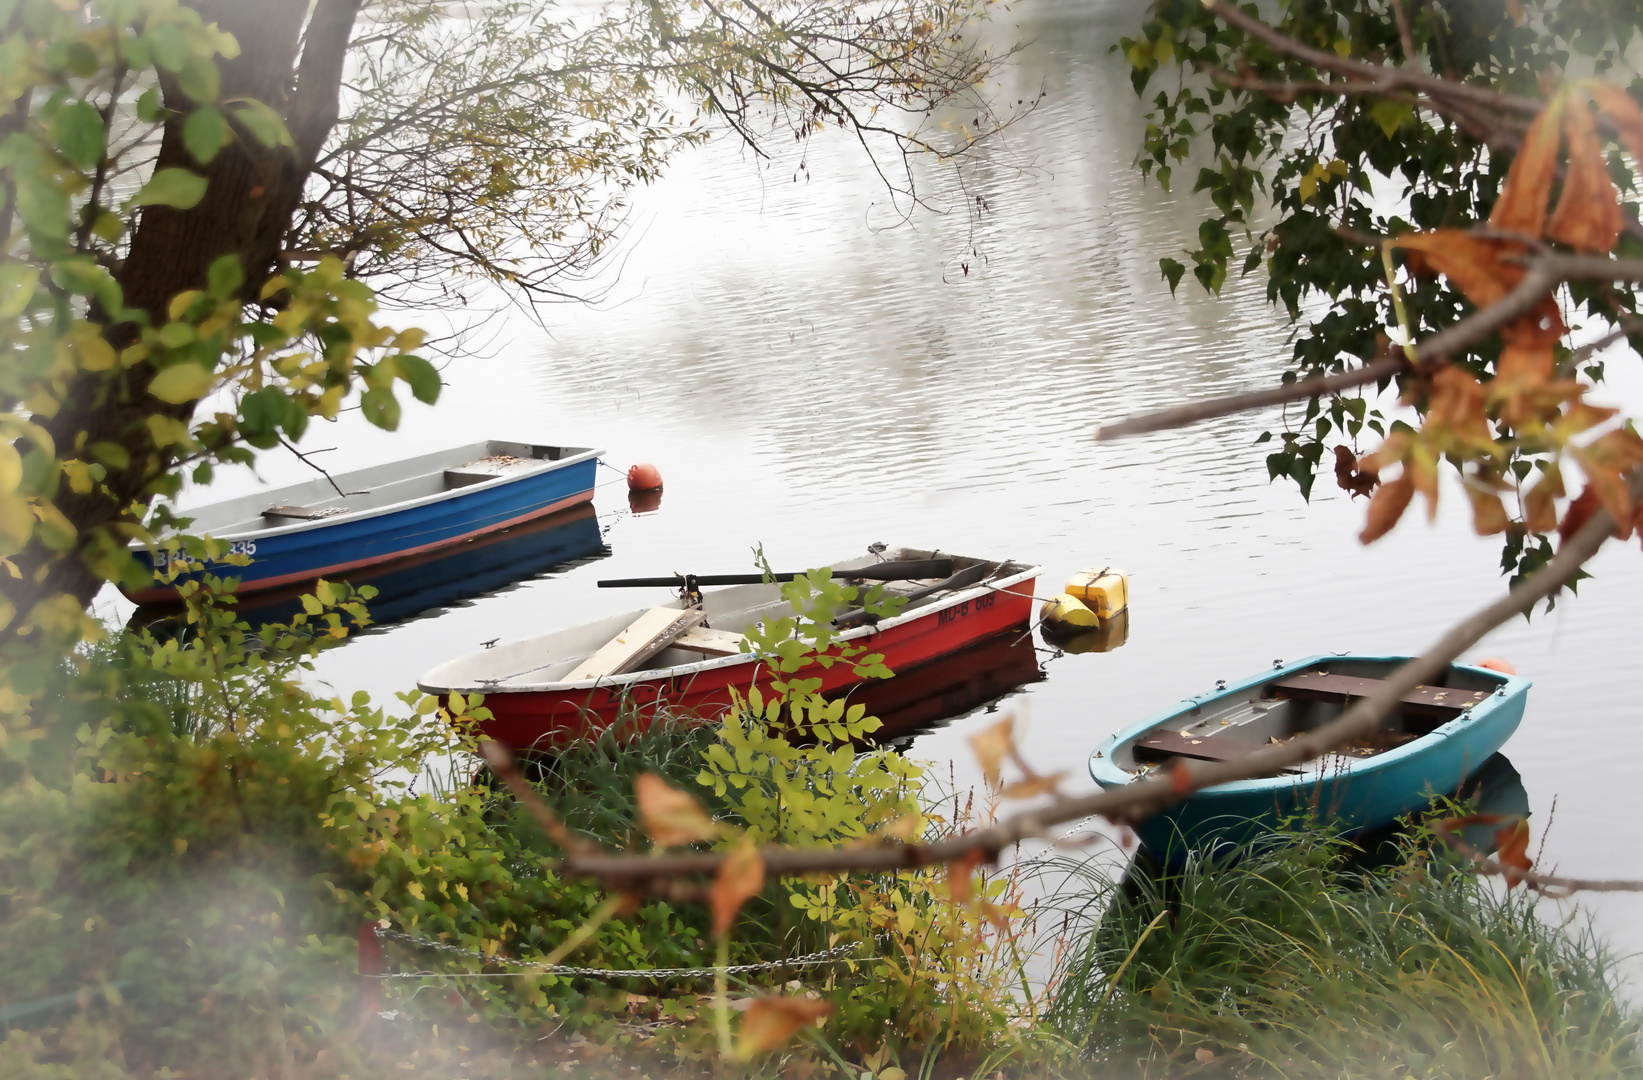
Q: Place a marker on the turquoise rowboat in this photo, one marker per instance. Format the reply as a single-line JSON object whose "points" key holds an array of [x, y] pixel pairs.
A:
{"points": [[1442, 733]]}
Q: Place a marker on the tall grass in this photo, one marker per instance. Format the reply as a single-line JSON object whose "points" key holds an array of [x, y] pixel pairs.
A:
{"points": [[1295, 962]]}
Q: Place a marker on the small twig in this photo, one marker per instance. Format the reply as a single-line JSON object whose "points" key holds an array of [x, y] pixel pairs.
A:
{"points": [[1404, 35], [1548, 884], [302, 457]]}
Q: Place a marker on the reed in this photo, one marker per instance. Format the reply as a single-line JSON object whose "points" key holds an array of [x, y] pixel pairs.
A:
{"points": [[1297, 961]]}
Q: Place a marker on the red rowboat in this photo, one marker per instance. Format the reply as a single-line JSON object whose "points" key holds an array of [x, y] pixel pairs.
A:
{"points": [[539, 693]]}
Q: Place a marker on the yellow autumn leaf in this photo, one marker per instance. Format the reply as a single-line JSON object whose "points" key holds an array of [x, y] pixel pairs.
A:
{"points": [[182, 382]]}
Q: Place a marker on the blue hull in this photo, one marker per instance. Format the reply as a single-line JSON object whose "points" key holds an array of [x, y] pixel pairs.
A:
{"points": [[408, 588], [1365, 794], [333, 546]]}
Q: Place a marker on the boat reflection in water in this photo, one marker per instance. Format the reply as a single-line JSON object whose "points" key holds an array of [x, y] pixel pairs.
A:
{"points": [[423, 583], [925, 697]]}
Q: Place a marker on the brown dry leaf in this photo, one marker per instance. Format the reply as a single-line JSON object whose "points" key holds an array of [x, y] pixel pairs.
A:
{"points": [[1180, 778], [1421, 470], [1522, 203], [1033, 785], [1605, 462], [1203, 1055], [1348, 477], [1623, 110], [1578, 512], [1455, 411], [1540, 504], [670, 816], [991, 747], [960, 882], [1522, 376], [1386, 507], [1488, 513], [1512, 851], [740, 876], [1587, 217], [771, 1021], [1472, 265]]}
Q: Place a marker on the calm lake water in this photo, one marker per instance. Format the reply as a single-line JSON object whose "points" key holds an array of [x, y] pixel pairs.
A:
{"points": [[812, 377]]}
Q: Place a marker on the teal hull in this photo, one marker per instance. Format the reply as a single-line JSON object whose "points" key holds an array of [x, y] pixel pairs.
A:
{"points": [[1360, 794]]}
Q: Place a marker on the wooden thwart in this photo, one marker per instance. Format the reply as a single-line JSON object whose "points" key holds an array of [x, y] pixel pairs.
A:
{"points": [[710, 642], [1429, 700], [1202, 747], [643, 638]]}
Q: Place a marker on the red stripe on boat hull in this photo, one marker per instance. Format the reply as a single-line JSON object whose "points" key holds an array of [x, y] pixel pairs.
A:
{"points": [[538, 719], [160, 594]]}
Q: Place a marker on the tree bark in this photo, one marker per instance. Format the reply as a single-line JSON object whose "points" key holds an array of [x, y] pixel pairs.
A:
{"points": [[251, 194]]}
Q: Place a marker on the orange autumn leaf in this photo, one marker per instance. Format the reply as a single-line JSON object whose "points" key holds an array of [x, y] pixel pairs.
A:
{"points": [[1606, 461], [1455, 412], [1471, 264], [669, 815], [1512, 851], [1623, 111], [1580, 510], [1033, 785], [1386, 506], [1522, 203], [1488, 513], [960, 879], [770, 1021], [1587, 217], [991, 747], [1540, 504], [1522, 376], [740, 876]]}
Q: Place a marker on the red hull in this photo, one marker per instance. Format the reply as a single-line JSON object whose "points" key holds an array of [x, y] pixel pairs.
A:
{"points": [[527, 719]]}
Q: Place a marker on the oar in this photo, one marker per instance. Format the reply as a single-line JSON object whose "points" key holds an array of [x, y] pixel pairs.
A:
{"points": [[961, 580], [885, 571]]}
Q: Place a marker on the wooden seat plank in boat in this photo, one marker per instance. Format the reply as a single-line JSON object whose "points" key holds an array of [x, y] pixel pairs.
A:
{"points": [[303, 513], [1202, 747], [710, 642], [1427, 700], [642, 639]]}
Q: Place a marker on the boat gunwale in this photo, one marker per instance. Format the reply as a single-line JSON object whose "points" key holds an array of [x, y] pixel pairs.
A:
{"points": [[691, 670], [317, 524], [1109, 775]]}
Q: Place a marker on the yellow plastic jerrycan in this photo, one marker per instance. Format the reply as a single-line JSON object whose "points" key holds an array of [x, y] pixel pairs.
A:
{"points": [[1105, 591], [1068, 614]]}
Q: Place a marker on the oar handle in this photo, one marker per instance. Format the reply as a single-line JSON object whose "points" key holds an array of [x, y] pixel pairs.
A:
{"points": [[885, 571]]}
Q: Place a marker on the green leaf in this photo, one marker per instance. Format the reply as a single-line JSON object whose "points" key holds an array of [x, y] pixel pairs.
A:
{"points": [[264, 124], [177, 188], [225, 277], [43, 206], [421, 376], [1390, 115], [380, 408], [261, 411], [77, 129], [149, 108], [1172, 272], [18, 281], [205, 132], [199, 79], [180, 383]]}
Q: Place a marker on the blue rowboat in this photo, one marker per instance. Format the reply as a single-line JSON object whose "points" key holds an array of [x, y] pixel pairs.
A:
{"points": [[1442, 733], [384, 514]]}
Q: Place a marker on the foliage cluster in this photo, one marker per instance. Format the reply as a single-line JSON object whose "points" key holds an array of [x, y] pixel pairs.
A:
{"points": [[1307, 166]]}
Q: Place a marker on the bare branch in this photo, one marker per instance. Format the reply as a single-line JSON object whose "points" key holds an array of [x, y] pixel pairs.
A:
{"points": [[1144, 797]]}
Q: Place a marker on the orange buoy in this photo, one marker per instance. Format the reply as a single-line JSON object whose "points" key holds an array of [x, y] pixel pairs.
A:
{"points": [[1494, 663], [644, 477]]}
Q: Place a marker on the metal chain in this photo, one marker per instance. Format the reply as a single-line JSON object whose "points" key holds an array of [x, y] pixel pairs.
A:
{"points": [[836, 953]]}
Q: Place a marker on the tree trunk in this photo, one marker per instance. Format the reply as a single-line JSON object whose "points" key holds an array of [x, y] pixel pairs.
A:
{"points": [[251, 194]]}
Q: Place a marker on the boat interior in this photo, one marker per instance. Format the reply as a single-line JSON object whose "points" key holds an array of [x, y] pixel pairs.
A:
{"points": [[1230, 726], [377, 487], [715, 629]]}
